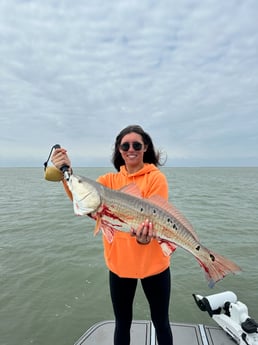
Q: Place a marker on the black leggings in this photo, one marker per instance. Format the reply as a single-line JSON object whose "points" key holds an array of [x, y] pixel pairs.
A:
{"points": [[157, 291]]}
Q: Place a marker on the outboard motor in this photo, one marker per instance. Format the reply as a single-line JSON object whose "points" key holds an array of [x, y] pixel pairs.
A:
{"points": [[231, 315]]}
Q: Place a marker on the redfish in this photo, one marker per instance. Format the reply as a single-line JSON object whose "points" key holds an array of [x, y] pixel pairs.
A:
{"points": [[125, 209]]}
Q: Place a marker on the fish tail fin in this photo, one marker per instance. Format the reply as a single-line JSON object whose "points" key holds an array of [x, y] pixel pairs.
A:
{"points": [[216, 267]]}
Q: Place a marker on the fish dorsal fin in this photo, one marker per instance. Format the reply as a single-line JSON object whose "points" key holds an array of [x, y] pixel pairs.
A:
{"points": [[168, 207], [132, 189]]}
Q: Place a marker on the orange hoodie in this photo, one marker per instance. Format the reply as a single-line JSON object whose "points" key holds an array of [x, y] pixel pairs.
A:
{"points": [[124, 256]]}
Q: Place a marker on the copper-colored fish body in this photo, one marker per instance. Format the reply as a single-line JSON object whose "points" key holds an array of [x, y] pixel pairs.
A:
{"points": [[125, 209]]}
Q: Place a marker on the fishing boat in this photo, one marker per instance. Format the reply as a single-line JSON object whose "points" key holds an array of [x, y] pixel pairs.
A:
{"points": [[232, 325]]}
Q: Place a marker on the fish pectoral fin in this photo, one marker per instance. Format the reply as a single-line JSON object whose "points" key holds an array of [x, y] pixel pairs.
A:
{"points": [[108, 232], [106, 229], [98, 224], [132, 189]]}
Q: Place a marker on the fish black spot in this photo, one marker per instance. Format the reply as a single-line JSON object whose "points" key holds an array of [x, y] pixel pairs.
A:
{"points": [[198, 248], [212, 257], [174, 226], [154, 211], [142, 209]]}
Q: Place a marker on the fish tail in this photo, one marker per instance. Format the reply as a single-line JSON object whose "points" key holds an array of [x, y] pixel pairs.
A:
{"points": [[216, 267]]}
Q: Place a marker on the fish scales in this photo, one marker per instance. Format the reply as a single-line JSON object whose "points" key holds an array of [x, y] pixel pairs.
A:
{"points": [[124, 210], [137, 211]]}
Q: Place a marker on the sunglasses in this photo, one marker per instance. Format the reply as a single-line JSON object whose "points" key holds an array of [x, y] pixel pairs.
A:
{"points": [[136, 146]]}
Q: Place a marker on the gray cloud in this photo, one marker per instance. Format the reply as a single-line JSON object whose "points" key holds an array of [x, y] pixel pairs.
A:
{"points": [[78, 72]]}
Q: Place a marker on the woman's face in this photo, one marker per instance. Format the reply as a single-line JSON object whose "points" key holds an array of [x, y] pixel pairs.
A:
{"points": [[132, 149]]}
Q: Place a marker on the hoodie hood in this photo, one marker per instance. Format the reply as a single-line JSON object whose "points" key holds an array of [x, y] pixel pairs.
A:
{"points": [[147, 168]]}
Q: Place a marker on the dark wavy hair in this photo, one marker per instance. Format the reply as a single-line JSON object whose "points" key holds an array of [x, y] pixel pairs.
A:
{"points": [[150, 156]]}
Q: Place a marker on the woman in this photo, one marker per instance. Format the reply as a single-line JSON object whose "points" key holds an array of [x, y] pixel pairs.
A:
{"points": [[137, 255]]}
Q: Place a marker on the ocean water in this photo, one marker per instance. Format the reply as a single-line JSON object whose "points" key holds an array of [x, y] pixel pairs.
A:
{"points": [[53, 279]]}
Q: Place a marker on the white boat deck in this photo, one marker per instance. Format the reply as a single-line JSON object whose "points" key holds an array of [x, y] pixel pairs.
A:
{"points": [[143, 333]]}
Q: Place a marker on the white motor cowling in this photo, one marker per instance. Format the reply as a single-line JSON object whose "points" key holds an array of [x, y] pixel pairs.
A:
{"points": [[231, 315], [214, 303]]}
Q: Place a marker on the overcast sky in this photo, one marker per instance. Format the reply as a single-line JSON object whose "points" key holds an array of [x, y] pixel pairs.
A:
{"points": [[77, 72]]}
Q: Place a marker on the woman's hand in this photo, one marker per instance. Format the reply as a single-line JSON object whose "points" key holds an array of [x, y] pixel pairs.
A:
{"points": [[60, 158], [144, 233]]}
